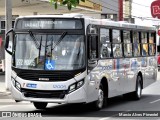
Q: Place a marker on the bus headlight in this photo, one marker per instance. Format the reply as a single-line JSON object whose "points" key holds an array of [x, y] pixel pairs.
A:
{"points": [[75, 86], [80, 83], [72, 88], [16, 84]]}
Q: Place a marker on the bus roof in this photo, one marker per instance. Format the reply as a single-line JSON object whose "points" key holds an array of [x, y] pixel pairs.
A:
{"points": [[94, 21], [120, 24], [53, 16]]}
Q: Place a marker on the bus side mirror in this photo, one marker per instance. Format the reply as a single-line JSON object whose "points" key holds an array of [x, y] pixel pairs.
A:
{"points": [[93, 47], [93, 43], [158, 48], [9, 41], [92, 51]]}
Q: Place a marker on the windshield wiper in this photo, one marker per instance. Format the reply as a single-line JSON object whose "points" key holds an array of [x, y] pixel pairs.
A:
{"points": [[40, 48], [59, 40], [34, 39]]}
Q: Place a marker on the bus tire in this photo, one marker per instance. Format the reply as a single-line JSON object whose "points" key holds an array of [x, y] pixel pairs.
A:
{"points": [[40, 105], [138, 92], [98, 104]]}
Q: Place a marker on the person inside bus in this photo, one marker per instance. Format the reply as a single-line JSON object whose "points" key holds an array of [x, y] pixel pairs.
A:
{"points": [[105, 51], [117, 50], [144, 49]]}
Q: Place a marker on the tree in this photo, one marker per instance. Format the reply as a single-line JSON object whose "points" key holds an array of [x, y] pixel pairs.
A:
{"points": [[69, 3]]}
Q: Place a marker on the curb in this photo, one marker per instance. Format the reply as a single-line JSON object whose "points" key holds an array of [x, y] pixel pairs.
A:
{"points": [[5, 93]]}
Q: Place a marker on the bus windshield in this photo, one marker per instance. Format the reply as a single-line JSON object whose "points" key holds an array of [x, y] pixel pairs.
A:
{"points": [[49, 51]]}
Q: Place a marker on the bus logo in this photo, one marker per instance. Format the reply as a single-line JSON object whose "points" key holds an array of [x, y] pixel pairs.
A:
{"points": [[46, 79], [30, 85]]}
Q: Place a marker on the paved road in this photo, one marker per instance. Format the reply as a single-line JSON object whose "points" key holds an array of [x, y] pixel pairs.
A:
{"points": [[150, 101]]}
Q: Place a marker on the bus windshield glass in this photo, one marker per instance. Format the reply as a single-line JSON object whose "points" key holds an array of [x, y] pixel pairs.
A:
{"points": [[49, 51]]}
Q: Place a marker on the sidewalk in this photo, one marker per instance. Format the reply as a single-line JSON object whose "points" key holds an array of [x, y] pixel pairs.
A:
{"points": [[3, 91]]}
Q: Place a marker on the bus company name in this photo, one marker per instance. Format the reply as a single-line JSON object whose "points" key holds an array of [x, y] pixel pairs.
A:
{"points": [[155, 9], [31, 85]]}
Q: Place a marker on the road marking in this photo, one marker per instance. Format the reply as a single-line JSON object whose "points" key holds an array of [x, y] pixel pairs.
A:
{"points": [[2, 107], [155, 101], [6, 100], [109, 117]]}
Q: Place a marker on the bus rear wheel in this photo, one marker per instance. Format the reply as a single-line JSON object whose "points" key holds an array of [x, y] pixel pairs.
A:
{"points": [[138, 92], [40, 105], [136, 95]]}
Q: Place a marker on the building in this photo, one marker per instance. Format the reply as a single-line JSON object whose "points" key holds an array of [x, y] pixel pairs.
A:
{"points": [[127, 11], [110, 9]]}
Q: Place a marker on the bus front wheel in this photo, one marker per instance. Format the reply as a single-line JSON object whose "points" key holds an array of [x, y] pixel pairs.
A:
{"points": [[98, 104], [40, 105]]}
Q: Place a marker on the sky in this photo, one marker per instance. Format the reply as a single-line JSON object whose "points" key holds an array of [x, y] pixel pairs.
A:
{"points": [[143, 10]]}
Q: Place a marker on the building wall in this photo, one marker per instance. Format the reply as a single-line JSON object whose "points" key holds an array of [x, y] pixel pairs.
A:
{"points": [[110, 9], [128, 11]]}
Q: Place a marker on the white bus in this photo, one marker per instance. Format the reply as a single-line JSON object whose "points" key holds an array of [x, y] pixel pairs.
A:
{"points": [[77, 59]]}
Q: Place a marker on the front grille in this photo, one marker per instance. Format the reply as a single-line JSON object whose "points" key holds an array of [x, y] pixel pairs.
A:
{"points": [[35, 75], [50, 76], [60, 94]]}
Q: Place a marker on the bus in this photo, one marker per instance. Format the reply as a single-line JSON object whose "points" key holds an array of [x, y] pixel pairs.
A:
{"points": [[73, 58]]}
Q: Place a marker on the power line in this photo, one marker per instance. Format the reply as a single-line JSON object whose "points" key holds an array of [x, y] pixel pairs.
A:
{"points": [[126, 5], [140, 4], [134, 3]]}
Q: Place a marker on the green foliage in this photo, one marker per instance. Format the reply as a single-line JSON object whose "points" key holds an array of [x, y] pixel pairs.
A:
{"points": [[69, 3]]}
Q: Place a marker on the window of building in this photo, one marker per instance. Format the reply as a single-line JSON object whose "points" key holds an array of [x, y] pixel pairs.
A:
{"points": [[109, 16]]}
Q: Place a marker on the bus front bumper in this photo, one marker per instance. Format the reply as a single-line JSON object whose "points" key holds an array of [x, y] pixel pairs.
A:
{"points": [[77, 96]]}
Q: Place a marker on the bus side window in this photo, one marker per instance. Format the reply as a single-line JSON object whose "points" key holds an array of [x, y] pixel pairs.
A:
{"points": [[127, 43], [105, 46], [117, 50], [152, 46], [144, 44], [116, 44], [136, 44]]}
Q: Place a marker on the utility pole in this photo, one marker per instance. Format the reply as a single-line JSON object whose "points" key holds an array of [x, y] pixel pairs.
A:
{"points": [[8, 26], [130, 11], [120, 2]]}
